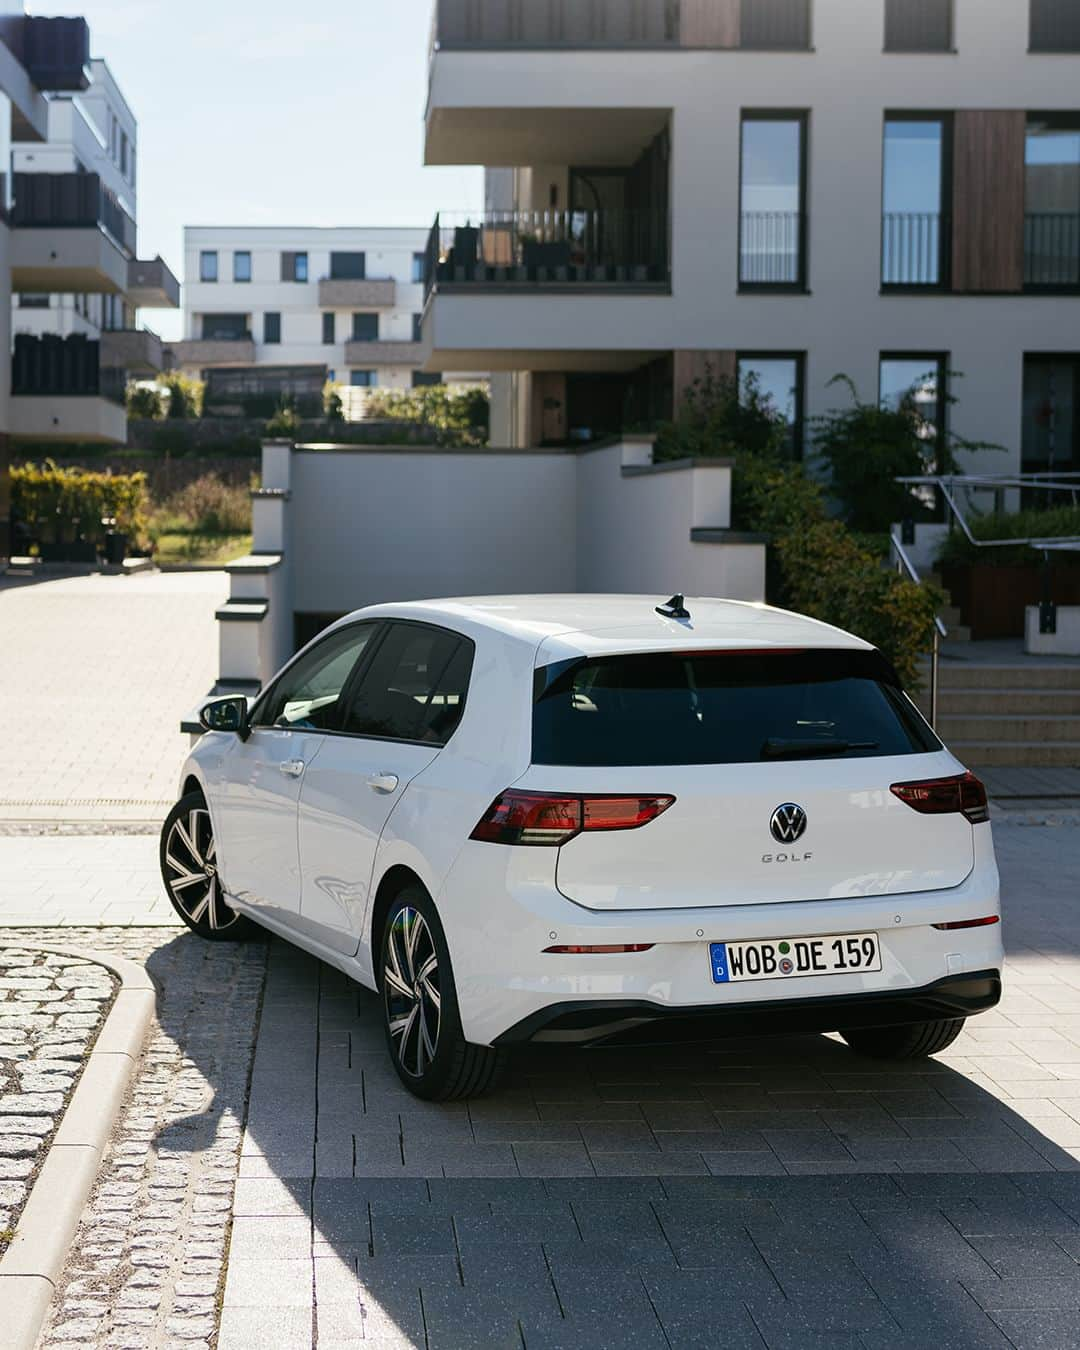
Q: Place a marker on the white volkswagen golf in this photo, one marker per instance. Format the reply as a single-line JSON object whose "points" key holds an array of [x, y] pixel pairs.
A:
{"points": [[559, 817]]}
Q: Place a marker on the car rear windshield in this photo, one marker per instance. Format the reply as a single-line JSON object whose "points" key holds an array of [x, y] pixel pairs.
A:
{"points": [[730, 707]]}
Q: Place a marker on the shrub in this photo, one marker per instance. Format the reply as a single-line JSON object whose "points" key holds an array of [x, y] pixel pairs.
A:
{"points": [[62, 505], [285, 422], [211, 506], [867, 446], [332, 408], [458, 417], [185, 395], [144, 400], [1052, 523], [714, 419]]}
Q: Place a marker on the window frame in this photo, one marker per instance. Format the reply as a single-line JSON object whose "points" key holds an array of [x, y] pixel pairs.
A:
{"points": [[416, 268], [238, 254], [1042, 357], [205, 254], [808, 46], [382, 626], [1065, 120], [943, 285], [798, 447], [801, 285], [938, 359], [369, 383], [348, 253], [950, 42], [268, 315], [364, 314], [1033, 50], [329, 328], [290, 267]]}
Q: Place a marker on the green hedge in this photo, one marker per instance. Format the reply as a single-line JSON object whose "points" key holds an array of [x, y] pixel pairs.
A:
{"points": [[1054, 523], [63, 505]]}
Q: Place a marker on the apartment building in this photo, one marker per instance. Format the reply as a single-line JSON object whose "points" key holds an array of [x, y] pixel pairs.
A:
{"points": [[89, 160], [273, 311], [888, 189]]}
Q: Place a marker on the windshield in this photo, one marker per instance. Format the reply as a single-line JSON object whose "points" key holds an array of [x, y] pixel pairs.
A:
{"points": [[730, 707]]}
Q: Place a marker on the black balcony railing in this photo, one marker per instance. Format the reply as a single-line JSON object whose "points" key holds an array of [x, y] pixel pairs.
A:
{"points": [[1055, 26], [70, 201], [56, 53], [58, 367], [565, 248], [1052, 250], [770, 248], [911, 248], [557, 23]]}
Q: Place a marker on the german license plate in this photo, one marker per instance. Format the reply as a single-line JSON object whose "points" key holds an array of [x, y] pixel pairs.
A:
{"points": [[790, 958]]}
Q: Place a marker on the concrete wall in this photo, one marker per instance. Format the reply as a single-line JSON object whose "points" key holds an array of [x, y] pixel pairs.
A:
{"points": [[847, 83]]}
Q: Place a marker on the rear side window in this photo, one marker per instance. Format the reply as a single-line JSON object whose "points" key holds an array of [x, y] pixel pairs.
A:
{"points": [[723, 708], [414, 688]]}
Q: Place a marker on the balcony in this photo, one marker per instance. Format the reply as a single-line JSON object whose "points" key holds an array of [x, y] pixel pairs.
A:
{"points": [[570, 251], [152, 285], [340, 293], [56, 53], [62, 391], [1052, 251], [136, 350], [383, 352], [912, 249], [212, 351], [70, 234], [1055, 26]]}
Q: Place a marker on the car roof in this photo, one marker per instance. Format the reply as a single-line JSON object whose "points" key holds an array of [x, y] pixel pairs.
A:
{"points": [[596, 623]]}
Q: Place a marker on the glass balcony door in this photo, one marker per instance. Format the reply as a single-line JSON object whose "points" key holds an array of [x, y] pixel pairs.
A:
{"points": [[773, 201], [914, 224], [1052, 202]]}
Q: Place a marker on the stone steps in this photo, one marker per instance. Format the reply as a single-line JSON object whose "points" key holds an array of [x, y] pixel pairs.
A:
{"points": [[1006, 727], [1020, 714], [993, 754], [1036, 702]]}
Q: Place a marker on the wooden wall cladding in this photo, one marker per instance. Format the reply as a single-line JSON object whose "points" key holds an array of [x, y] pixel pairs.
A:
{"points": [[988, 200], [709, 23]]}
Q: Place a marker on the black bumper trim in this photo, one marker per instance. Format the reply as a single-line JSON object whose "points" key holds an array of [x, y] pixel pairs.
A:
{"points": [[588, 1021]]}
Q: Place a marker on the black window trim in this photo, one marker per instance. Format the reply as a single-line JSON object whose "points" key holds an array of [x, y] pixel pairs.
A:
{"points": [[943, 285], [761, 354], [1065, 120], [383, 624], [943, 361], [801, 286], [950, 48]]}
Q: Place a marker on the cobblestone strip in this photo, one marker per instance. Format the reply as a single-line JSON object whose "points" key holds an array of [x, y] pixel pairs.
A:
{"points": [[147, 1264], [51, 1009]]}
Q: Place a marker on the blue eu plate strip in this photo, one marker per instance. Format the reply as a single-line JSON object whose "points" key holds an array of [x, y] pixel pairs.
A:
{"points": [[718, 961]]}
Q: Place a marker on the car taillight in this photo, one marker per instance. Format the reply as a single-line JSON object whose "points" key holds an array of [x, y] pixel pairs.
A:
{"points": [[988, 922], [964, 795], [554, 818]]}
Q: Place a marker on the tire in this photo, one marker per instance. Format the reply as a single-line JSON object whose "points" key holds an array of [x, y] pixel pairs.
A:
{"points": [[420, 1009], [917, 1041], [189, 870]]}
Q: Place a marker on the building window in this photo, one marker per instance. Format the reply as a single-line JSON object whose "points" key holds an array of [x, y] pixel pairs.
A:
{"points": [[208, 265], [417, 274], [294, 267], [348, 266], [271, 326], [1050, 439], [1055, 26], [328, 328], [362, 379], [1052, 202], [123, 153], [914, 382], [914, 217], [772, 210], [424, 379], [417, 327], [225, 327], [241, 266], [777, 25], [365, 327], [33, 301], [918, 25], [778, 378]]}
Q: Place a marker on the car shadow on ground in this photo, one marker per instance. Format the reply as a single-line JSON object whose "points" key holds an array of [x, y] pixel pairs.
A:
{"points": [[781, 1192]]}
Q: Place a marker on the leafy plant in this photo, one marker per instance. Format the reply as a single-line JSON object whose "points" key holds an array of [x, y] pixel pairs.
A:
{"points": [[867, 446], [716, 419], [185, 395], [285, 422], [457, 417], [332, 407], [145, 401], [212, 506], [1053, 523], [62, 505]]}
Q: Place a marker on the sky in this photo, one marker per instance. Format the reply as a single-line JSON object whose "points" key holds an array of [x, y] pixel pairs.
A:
{"points": [[273, 113]]}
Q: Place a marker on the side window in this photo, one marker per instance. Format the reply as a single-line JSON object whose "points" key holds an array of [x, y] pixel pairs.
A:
{"points": [[415, 687], [307, 695]]}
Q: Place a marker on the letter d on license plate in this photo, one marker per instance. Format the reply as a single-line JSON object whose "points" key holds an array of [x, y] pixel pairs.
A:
{"points": [[790, 958]]}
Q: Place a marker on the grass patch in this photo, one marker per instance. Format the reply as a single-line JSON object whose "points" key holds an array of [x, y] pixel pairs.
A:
{"points": [[196, 546]]}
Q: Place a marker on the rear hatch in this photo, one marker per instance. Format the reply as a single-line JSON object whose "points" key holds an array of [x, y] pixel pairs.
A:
{"points": [[780, 763]]}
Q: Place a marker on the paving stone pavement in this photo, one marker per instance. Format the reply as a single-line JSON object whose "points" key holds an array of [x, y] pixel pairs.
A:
{"points": [[71, 881], [776, 1194], [51, 1009], [102, 671]]}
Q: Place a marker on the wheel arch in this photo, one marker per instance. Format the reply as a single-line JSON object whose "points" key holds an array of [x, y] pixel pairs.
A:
{"points": [[192, 783], [394, 880]]}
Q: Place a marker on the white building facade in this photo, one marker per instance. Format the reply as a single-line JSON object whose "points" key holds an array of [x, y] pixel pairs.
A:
{"points": [[276, 305], [888, 189]]}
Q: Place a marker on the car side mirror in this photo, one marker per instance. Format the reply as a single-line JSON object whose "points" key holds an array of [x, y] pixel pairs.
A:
{"points": [[226, 714]]}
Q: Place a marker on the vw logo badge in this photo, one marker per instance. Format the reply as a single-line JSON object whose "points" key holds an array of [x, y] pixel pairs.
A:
{"points": [[788, 823]]}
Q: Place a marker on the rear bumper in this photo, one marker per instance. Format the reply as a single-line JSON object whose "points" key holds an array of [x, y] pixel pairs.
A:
{"points": [[589, 1021]]}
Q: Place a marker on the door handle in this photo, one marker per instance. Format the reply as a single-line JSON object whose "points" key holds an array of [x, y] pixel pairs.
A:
{"points": [[383, 782], [292, 768]]}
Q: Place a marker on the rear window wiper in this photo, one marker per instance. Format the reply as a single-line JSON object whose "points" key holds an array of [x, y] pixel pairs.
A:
{"points": [[777, 747]]}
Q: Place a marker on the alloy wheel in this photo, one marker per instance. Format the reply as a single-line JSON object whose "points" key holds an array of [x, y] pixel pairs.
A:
{"points": [[411, 990], [192, 879]]}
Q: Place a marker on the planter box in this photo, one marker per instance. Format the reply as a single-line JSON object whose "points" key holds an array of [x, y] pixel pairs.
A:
{"points": [[74, 551], [993, 599]]}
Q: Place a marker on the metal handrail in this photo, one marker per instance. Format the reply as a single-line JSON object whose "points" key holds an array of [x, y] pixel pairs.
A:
{"points": [[947, 483], [905, 565]]}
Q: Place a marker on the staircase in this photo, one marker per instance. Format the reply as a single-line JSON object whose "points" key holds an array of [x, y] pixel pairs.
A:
{"points": [[1027, 713]]}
